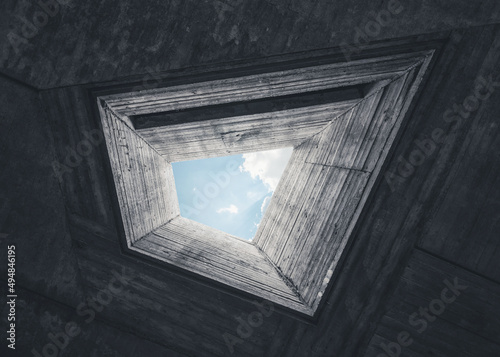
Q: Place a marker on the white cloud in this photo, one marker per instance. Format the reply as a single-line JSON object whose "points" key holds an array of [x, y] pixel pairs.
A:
{"points": [[253, 195], [265, 203], [231, 209], [267, 165]]}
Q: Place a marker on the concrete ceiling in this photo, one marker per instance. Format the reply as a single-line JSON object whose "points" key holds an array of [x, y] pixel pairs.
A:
{"points": [[432, 222], [97, 41]]}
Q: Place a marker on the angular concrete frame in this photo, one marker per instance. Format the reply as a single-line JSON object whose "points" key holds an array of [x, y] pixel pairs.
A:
{"points": [[339, 149]]}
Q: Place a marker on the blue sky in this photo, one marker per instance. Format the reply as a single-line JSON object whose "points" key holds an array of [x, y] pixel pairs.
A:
{"points": [[229, 193]]}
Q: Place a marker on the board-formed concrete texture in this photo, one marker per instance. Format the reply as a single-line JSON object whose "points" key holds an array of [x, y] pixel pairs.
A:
{"points": [[399, 238], [339, 148]]}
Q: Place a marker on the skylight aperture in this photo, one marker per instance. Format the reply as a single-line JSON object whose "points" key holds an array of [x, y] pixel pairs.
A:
{"points": [[230, 193]]}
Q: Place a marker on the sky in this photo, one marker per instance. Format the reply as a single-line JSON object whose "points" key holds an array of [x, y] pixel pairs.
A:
{"points": [[229, 193]]}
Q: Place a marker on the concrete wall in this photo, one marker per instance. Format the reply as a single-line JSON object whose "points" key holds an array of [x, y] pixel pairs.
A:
{"points": [[447, 207], [97, 41]]}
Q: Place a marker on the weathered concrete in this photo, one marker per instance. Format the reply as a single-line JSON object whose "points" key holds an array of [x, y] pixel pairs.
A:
{"points": [[97, 41], [447, 205]]}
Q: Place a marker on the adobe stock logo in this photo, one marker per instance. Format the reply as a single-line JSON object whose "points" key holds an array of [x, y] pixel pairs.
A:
{"points": [[420, 319], [372, 28], [74, 156], [246, 326], [201, 198], [40, 18], [60, 340], [425, 147]]}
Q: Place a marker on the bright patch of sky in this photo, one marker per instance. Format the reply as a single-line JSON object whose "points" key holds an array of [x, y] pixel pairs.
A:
{"points": [[230, 193]]}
